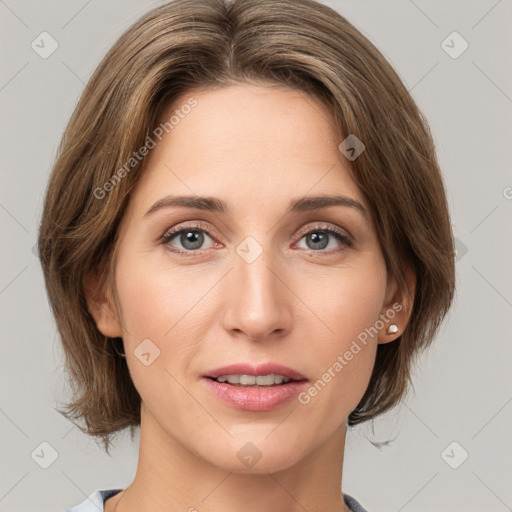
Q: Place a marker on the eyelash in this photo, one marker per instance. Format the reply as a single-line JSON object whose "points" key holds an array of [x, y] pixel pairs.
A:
{"points": [[172, 233]]}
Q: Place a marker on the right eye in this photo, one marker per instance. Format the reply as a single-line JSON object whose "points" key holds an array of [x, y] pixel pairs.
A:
{"points": [[191, 238]]}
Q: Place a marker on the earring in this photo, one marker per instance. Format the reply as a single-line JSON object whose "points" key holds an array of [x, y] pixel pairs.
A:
{"points": [[392, 329]]}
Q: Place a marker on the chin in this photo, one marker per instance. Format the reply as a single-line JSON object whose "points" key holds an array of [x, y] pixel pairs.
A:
{"points": [[255, 453]]}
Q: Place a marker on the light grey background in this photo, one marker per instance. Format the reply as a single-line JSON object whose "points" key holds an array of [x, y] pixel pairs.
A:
{"points": [[463, 391]]}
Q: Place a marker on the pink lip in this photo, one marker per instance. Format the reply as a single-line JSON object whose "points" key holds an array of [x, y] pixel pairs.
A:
{"points": [[255, 398], [261, 369]]}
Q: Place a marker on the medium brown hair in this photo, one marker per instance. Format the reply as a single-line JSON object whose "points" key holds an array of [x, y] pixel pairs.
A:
{"points": [[190, 44]]}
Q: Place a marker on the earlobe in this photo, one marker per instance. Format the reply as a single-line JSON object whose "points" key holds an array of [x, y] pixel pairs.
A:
{"points": [[101, 305], [398, 307]]}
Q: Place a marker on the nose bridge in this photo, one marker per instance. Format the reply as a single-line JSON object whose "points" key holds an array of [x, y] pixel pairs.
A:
{"points": [[258, 303]]}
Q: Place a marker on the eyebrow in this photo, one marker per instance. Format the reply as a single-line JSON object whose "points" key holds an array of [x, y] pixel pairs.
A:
{"points": [[217, 205]]}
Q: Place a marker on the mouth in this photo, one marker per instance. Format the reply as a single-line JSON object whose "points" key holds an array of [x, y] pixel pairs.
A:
{"points": [[245, 374], [272, 379], [261, 388]]}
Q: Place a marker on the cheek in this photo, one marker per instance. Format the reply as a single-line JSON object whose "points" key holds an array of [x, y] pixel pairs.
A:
{"points": [[165, 306], [344, 354], [154, 309], [346, 301], [155, 298]]}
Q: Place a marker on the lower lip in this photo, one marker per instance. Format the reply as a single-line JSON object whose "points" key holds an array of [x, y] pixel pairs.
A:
{"points": [[255, 399]]}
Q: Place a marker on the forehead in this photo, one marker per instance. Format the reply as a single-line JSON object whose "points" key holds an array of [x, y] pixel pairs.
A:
{"points": [[246, 143], [261, 121]]}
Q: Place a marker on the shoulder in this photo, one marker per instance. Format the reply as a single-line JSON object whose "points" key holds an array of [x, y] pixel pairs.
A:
{"points": [[95, 502], [353, 504]]}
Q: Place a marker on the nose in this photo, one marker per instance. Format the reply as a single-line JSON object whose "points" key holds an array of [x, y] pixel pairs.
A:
{"points": [[258, 300]]}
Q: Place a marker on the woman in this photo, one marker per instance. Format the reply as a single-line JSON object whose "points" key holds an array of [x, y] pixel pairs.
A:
{"points": [[246, 243]]}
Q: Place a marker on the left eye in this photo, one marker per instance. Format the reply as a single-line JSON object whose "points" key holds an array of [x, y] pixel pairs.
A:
{"points": [[318, 238]]}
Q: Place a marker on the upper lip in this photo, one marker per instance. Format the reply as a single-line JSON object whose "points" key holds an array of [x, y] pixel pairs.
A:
{"points": [[249, 369]]}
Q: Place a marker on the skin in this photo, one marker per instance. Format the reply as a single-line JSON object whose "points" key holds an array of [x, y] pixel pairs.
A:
{"points": [[257, 148]]}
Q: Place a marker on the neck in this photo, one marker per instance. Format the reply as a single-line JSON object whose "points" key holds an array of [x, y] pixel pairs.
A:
{"points": [[170, 477]]}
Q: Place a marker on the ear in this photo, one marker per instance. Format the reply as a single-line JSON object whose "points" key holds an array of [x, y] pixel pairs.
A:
{"points": [[397, 307], [101, 305]]}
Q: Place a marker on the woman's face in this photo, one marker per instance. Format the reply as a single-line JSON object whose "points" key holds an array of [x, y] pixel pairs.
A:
{"points": [[255, 282]]}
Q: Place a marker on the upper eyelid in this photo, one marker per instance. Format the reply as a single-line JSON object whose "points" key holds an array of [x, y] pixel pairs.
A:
{"points": [[326, 227]]}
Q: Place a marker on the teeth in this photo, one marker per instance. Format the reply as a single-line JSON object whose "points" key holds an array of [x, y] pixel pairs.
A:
{"points": [[251, 380]]}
